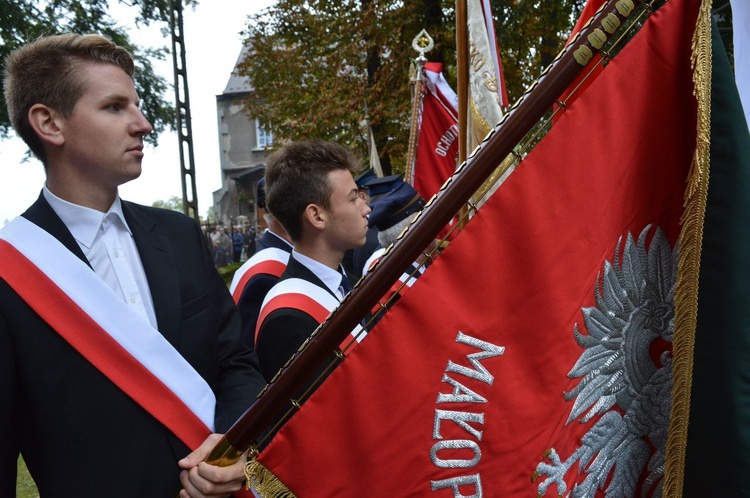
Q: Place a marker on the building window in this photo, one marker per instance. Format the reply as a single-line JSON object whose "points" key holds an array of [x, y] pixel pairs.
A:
{"points": [[265, 138]]}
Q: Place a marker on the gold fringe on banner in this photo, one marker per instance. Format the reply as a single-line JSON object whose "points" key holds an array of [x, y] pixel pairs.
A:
{"points": [[690, 244], [264, 482]]}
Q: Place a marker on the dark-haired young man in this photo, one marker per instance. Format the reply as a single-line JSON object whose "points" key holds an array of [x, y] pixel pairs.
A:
{"points": [[311, 191]]}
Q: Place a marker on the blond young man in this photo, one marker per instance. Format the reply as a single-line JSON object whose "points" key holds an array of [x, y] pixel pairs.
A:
{"points": [[125, 353]]}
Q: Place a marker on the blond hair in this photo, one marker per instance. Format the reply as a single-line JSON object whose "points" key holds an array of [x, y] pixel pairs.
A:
{"points": [[45, 72]]}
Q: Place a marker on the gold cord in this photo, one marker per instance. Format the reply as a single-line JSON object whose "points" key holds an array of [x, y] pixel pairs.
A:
{"points": [[690, 244]]}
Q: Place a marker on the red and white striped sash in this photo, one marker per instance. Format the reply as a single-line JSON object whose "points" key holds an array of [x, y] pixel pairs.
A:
{"points": [[87, 313], [271, 261], [307, 297]]}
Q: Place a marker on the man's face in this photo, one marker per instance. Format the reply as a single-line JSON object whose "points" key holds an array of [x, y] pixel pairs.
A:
{"points": [[103, 137], [346, 226]]}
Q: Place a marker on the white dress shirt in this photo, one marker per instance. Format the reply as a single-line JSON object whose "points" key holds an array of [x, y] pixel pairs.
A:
{"points": [[107, 243], [330, 277]]}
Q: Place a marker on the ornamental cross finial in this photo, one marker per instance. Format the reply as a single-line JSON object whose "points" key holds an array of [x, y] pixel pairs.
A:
{"points": [[423, 43]]}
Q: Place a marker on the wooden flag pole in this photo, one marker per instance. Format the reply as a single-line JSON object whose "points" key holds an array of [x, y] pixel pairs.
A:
{"points": [[462, 77], [462, 84], [469, 177]]}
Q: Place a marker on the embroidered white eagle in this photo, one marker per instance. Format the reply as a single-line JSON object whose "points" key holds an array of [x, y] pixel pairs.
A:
{"points": [[625, 376]]}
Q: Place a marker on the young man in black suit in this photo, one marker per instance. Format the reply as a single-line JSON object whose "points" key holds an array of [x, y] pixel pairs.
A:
{"points": [[274, 235], [120, 347], [252, 281], [311, 191]]}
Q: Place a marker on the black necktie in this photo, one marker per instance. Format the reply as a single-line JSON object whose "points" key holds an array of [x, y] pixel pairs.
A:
{"points": [[347, 288], [345, 284]]}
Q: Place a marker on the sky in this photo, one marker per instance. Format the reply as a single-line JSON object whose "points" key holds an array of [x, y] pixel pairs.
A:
{"points": [[212, 45]]}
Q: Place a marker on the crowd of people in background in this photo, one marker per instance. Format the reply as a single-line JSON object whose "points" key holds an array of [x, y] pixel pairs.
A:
{"points": [[233, 246]]}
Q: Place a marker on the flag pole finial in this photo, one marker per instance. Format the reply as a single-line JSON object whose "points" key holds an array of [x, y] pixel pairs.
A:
{"points": [[422, 43]]}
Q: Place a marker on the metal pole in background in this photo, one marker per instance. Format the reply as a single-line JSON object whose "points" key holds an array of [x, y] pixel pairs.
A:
{"points": [[184, 120]]}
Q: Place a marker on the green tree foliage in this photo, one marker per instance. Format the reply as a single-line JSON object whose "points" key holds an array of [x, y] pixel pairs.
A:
{"points": [[722, 14], [530, 34], [174, 203], [24, 20], [320, 67]]}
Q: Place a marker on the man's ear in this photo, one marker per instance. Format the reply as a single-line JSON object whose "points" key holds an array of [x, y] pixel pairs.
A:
{"points": [[315, 216], [45, 122]]}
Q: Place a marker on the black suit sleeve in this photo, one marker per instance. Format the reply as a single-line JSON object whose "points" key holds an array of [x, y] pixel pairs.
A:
{"points": [[240, 380], [250, 303], [281, 335], [9, 414]]}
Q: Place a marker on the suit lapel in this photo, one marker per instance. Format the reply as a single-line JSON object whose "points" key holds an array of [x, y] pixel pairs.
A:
{"points": [[42, 215], [161, 273]]}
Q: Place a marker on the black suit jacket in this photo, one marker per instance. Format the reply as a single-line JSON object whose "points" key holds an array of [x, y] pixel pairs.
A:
{"points": [[251, 300], [270, 239], [79, 434], [284, 330]]}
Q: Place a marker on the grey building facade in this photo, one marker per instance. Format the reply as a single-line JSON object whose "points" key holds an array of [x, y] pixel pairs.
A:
{"points": [[243, 148]]}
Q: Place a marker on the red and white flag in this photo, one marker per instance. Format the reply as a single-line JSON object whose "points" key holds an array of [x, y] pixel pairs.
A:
{"points": [[533, 358], [437, 143]]}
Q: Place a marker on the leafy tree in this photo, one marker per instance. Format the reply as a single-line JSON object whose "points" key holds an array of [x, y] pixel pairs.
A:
{"points": [[174, 203], [722, 14], [24, 20], [320, 67], [530, 34]]}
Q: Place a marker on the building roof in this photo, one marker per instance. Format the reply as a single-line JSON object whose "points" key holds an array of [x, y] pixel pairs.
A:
{"points": [[238, 84]]}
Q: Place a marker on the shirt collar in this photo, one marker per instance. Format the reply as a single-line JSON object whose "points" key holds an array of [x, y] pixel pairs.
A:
{"points": [[84, 223], [330, 277], [282, 239]]}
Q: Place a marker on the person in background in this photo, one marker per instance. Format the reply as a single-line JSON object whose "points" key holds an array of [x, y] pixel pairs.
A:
{"points": [[238, 242], [393, 212], [354, 259], [252, 281], [371, 188], [222, 246], [248, 238], [275, 235], [120, 346]]}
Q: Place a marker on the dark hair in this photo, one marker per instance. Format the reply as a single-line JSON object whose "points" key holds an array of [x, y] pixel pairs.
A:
{"points": [[44, 72], [297, 176]]}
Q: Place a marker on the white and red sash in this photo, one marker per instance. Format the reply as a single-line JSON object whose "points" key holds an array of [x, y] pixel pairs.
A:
{"points": [[87, 313], [374, 258], [270, 261], [309, 298], [404, 282]]}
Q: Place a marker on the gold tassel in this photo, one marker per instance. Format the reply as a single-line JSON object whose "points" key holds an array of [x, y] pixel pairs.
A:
{"points": [[264, 482], [690, 246]]}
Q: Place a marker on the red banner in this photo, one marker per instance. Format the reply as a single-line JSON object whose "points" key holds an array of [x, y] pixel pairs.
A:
{"points": [[580, 84], [534, 355], [437, 145]]}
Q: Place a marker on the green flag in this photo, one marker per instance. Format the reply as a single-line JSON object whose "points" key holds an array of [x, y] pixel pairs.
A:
{"points": [[718, 444]]}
